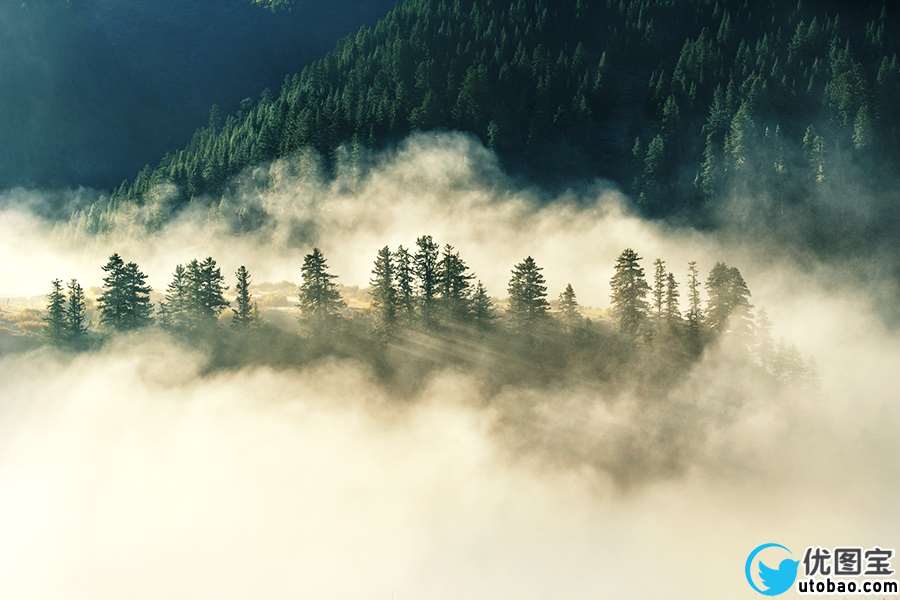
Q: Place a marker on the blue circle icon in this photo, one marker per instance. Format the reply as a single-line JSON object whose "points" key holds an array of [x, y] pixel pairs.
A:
{"points": [[774, 581]]}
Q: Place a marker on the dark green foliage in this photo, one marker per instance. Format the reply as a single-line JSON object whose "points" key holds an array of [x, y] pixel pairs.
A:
{"points": [[244, 312], [671, 311], [483, 313], [718, 98], [175, 312], [76, 313], [453, 284], [629, 291], [527, 289], [728, 305], [426, 259], [568, 306], [56, 312], [382, 289], [125, 300], [405, 278], [320, 300], [207, 290]]}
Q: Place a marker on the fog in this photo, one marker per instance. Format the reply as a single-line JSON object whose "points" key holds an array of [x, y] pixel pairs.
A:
{"points": [[137, 470]]}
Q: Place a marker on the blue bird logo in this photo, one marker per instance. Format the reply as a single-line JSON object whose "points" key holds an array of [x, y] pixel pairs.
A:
{"points": [[775, 581]]}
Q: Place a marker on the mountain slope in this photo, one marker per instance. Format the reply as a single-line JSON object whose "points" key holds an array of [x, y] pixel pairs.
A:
{"points": [[680, 102]]}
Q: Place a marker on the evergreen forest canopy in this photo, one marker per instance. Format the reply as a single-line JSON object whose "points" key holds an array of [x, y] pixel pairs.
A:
{"points": [[427, 311], [682, 103]]}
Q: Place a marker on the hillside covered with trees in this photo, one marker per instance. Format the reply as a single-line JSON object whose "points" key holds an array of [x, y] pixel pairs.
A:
{"points": [[681, 103]]}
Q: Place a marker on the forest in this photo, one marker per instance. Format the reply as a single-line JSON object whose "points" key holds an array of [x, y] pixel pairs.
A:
{"points": [[684, 104], [427, 312]]}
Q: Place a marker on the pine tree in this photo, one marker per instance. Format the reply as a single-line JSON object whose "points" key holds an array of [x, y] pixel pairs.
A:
{"points": [[568, 307], [629, 293], [453, 284], [76, 313], [659, 288], [320, 300], [695, 311], [138, 309], [483, 312], [208, 287], [56, 312], [426, 259], [527, 295], [404, 274], [175, 310], [382, 290], [244, 313], [125, 300], [728, 304], [112, 302], [672, 313]]}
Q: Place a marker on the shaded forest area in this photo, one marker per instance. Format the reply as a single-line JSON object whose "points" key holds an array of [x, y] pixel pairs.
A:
{"points": [[428, 312], [683, 103], [90, 90]]}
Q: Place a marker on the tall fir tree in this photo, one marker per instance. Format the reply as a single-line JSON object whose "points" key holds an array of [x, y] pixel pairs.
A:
{"points": [[728, 304], [453, 284], [243, 313], [125, 300], [629, 291], [382, 289], [112, 301], [568, 306], [139, 310], [56, 312], [405, 277], [426, 261], [659, 288], [175, 310], [483, 312], [207, 290], [320, 300], [527, 295], [671, 311], [695, 310], [76, 313]]}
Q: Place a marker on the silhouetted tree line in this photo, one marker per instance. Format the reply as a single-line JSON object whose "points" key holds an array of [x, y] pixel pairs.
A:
{"points": [[431, 289]]}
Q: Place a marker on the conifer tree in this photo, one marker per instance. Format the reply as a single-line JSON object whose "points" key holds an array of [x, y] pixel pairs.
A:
{"points": [[629, 293], [659, 288], [404, 274], [453, 283], [382, 290], [426, 260], [125, 300], [728, 304], [320, 300], [568, 306], [483, 312], [208, 287], [138, 308], [672, 313], [112, 301], [76, 313], [695, 311], [175, 310], [527, 295], [244, 312], [56, 312]]}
